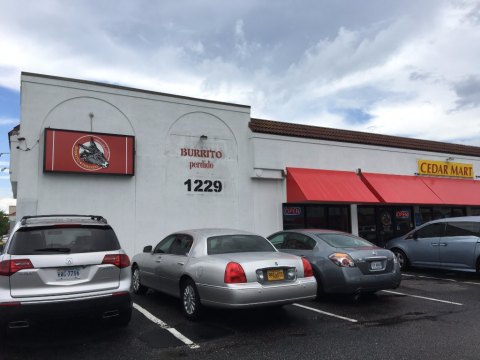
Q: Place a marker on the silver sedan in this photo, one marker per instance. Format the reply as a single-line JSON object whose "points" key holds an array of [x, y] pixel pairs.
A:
{"points": [[222, 268], [342, 263]]}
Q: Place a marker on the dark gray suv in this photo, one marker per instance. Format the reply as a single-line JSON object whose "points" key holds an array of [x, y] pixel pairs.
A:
{"points": [[63, 266]]}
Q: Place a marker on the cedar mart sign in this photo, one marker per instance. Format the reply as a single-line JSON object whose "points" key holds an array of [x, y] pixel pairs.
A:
{"points": [[443, 168]]}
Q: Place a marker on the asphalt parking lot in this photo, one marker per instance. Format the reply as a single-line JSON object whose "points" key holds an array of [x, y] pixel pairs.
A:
{"points": [[432, 315]]}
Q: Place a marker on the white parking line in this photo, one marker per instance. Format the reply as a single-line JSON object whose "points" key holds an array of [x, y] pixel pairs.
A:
{"points": [[443, 279], [325, 313], [423, 297], [165, 326]]}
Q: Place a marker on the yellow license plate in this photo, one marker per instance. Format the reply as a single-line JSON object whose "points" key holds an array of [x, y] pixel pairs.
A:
{"points": [[273, 275]]}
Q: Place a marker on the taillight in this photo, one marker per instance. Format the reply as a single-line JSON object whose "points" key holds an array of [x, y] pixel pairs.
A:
{"points": [[234, 274], [307, 268], [341, 259], [10, 267], [119, 260]]}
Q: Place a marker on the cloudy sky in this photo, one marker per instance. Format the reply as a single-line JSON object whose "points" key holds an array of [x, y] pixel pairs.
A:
{"points": [[400, 67]]}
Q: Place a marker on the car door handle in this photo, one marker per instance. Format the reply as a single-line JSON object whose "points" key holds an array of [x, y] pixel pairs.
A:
{"points": [[442, 244], [434, 244], [159, 259], [180, 263]]}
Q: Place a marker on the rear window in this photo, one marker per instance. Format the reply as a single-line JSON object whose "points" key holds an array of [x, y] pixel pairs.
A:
{"points": [[463, 229], [344, 241], [35, 241], [237, 244]]}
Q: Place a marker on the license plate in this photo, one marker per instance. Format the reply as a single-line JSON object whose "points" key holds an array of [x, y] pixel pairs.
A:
{"points": [[68, 274], [274, 275], [376, 265]]}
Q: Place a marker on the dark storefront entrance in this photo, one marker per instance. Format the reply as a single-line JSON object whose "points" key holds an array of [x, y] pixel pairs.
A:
{"points": [[300, 216], [378, 224]]}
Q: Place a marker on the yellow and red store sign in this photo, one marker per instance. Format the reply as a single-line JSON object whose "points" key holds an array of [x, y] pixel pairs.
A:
{"points": [[89, 153], [443, 168]]}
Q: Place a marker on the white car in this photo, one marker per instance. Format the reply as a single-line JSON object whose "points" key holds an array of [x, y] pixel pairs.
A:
{"points": [[63, 266]]}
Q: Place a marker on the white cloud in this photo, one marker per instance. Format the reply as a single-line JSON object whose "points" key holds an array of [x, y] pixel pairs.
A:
{"points": [[8, 121], [5, 203], [402, 65]]}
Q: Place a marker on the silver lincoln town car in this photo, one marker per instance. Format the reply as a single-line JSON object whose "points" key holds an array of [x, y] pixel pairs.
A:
{"points": [[222, 268]]}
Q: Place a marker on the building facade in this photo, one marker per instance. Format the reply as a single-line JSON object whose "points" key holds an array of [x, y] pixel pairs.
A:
{"points": [[153, 163]]}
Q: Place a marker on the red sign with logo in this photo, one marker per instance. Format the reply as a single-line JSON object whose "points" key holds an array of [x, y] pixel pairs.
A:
{"points": [[91, 153]]}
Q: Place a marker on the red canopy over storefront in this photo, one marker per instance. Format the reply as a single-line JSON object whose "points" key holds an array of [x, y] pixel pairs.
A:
{"points": [[400, 189], [326, 186], [311, 185]]}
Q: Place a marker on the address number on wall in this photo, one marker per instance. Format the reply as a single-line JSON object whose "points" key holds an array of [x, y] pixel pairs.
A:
{"points": [[197, 185]]}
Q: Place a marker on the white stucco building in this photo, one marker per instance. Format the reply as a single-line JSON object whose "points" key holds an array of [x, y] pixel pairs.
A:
{"points": [[200, 163]]}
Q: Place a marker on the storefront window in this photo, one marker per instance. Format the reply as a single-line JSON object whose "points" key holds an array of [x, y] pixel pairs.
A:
{"points": [[367, 227], [475, 211], [293, 216], [335, 217], [440, 212], [316, 217]]}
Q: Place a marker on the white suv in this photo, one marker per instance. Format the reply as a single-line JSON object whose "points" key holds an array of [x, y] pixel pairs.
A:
{"points": [[63, 266]]}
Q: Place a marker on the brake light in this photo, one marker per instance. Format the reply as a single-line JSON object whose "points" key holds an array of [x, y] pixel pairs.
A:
{"points": [[234, 274], [342, 260], [10, 267], [307, 268], [119, 260]]}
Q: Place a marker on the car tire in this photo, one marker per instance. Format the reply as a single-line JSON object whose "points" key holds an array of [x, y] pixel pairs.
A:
{"points": [[402, 259], [137, 286], [191, 305]]}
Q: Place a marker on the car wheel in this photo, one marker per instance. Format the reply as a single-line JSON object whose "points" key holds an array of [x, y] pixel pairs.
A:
{"points": [[191, 305], [402, 259], [137, 286]]}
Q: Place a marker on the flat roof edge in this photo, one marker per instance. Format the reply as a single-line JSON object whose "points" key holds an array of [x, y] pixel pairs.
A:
{"points": [[128, 88]]}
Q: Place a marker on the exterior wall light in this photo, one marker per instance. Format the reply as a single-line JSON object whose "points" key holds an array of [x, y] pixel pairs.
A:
{"points": [[203, 137]]}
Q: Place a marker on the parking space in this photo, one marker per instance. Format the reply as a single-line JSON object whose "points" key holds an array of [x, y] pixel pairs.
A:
{"points": [[437, 306]]}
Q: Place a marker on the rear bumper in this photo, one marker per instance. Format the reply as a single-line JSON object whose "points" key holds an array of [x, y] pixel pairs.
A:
{"points": [[28, 313], [257, 295], [353, 281]]}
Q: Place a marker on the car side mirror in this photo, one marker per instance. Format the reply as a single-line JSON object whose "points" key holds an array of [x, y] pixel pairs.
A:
{"points": [[413, 236], [147, 249]]}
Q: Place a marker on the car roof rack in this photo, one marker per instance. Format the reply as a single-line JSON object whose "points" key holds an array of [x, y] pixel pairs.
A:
{"points": [[24, 219]]}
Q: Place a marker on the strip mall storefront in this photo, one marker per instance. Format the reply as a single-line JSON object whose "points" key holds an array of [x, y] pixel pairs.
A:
{"points": [[390, 205], [153, 163]]}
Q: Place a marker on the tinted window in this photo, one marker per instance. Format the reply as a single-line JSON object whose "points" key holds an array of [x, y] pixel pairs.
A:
{"points": [[164, 246], [344, 240], [180, 245], [225, 244], [278, 240], [432, 230], [462, 229], [295, 241], [34, 241]]}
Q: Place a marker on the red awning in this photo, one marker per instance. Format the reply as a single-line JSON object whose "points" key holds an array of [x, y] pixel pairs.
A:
{"points": [[400, 189], [455, 191], [326, 186]]}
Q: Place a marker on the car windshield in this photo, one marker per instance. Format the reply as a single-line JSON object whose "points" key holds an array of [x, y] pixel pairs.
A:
{"points": [[225, 244], [48, 240], [344, 240]]}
